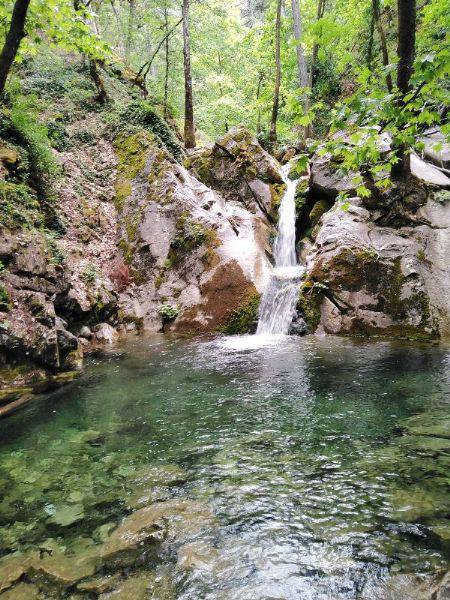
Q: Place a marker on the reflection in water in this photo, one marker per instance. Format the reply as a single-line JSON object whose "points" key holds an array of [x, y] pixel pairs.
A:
{"points": [[292, 442]]}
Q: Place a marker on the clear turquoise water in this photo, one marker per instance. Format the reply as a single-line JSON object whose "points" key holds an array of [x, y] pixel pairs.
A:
{"points": [[295, 447]]}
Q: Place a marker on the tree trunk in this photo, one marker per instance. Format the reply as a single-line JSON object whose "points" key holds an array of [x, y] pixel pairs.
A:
{"points": [[406, 49], [219, 62], [258, 93], [167, 60], [130, 29], [315, 50], [276, 92], [98, 81], [189, 128], [383, 44], [302, 69], [406, 43], [13, 39], [370, 43]]}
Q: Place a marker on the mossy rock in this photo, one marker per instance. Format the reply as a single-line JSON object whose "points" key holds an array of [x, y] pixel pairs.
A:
{"points": [[415, 503], [426, 444], [19, 206], [436, 424], [141, 113], [5, 299], [191, 234], [320, 207], [132, 152], [243, 318], [309, 302], [276, 192]]}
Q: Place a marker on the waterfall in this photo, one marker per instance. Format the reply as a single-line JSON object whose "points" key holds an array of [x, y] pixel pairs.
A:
{"points": [[278, 302]]}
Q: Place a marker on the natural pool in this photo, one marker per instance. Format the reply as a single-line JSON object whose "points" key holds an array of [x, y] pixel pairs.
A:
{"points": [[311, 468]]}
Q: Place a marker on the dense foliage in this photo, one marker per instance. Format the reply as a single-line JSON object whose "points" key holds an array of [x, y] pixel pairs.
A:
{"points": [[349, 51]]}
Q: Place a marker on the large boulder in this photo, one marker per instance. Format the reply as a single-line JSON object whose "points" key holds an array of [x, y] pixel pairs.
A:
{"points": [[436, 147], [240, 170], [366, 278], [194, 257]]}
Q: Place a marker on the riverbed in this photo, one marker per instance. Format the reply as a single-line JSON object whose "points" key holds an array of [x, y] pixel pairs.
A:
{"points": [[313, 468]]}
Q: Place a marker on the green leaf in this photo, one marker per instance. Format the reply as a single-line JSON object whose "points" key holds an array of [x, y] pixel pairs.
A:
{"points": [[363, 192]]}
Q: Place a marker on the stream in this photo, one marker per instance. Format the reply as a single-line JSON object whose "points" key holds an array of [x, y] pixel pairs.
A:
{"points": [[294, 445]]}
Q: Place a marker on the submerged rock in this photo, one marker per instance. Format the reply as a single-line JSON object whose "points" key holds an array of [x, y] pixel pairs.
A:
{"points": [[63, 570], [402, 587], [145, 530], [196, 556], [153, 484], [22, 591], [134, 588], [13, 567]]}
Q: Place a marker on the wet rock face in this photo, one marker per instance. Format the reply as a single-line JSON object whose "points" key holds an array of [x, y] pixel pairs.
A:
{"points": [[30, 327], [365, 278], [240, 170], [194, 256]]}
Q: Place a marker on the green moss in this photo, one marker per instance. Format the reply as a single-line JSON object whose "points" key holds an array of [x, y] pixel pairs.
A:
{"points": [[320, 207], [159, 280], [89, 274], [398, 307], [57, 256], [309, 302], [242, 318], [276, 191], [131, 228], [190, 235], [132, 152], [140, 114], [18, 206], [201, 163], [5, 299], [127, 251]]}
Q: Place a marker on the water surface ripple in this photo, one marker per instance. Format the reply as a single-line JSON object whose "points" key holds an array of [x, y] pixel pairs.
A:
{"points": [[292, 442]]}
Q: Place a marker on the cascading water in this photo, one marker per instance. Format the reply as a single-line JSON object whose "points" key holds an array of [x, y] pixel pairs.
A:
{"points": [[278, 302]]}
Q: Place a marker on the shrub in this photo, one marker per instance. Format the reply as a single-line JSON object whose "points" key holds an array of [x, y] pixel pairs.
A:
{"points": [[168, 312], [22, 125], [140, 113], [57, 256], [89, 274], [58, 136], [4, 299], [84, 136], [18, 206]]}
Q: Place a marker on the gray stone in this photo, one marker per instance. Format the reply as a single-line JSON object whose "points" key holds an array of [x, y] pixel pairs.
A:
{"points": [[105, 333]]}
